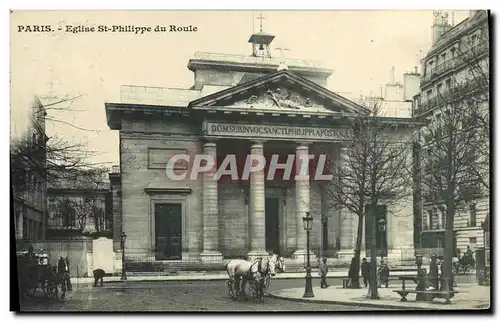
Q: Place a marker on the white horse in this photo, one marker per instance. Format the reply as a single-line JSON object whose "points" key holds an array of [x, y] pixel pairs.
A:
{"points": [[279, 262], [256, 271]]}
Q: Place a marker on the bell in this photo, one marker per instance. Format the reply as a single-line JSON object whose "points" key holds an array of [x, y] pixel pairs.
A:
{"points": [[261, 47]]}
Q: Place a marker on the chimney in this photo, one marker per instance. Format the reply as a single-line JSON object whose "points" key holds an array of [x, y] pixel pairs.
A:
{"points": [[440, 25], [411, 83]]}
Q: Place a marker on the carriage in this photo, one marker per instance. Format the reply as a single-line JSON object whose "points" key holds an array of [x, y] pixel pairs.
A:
{"points": [[255, 287], [37, 275]]}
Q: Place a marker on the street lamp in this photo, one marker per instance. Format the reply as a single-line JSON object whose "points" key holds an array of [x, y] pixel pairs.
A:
{"points": [[381, 224], [123, 238], [418, 261], [307, 220]]}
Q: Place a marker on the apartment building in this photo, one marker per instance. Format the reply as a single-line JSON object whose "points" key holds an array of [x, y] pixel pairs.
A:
{"points": [[458, 62]]}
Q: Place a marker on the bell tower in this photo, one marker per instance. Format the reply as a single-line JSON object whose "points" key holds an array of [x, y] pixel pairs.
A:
{"points": [[261, 41]]}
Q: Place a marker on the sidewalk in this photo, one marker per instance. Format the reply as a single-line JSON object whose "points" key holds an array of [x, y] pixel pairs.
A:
{"points": [[470, 296], [222, 275]]}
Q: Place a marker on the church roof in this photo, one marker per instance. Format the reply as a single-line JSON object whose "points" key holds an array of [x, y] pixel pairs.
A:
{"points": [[289, 77]]}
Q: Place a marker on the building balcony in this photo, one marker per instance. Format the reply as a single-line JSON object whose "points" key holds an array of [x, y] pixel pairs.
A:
{"points": [[452, 94], [460, 60]]}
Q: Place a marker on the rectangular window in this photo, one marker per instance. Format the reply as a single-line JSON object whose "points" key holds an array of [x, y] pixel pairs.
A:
{"points": [[25, 228], [472, 242], [429, 94], [39, 236], [474, 40], [453, 51], [472, 215], [431, 218], [439, 89], [448, 84]]}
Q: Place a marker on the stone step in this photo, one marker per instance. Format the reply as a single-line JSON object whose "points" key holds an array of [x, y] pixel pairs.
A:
{"points": [[175, 267]]}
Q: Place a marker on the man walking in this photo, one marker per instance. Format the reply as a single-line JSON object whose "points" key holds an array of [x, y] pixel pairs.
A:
{"points": [[323, 271], [365, 272]]}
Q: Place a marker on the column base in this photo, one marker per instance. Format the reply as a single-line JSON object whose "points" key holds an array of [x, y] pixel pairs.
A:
{"points": [[345, 256], [255, 254], [211, 256], [300, 256]]}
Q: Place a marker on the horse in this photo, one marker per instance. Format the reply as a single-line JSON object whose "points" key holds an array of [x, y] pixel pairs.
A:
{"points": [[248, 271], [279, 262], [63, 274]]}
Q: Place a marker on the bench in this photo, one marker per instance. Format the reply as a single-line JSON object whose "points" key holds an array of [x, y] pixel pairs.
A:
{"points": [[428, 295]]}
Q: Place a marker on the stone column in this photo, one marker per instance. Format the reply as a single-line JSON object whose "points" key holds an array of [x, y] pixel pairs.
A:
{"points": [[347, 220], [257, 207], [210, 209], [302, 200]]}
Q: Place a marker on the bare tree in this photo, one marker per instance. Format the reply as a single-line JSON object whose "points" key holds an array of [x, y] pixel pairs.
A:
{"points": [[78, 198], [49, 158], [373, 170], [454, 151]]}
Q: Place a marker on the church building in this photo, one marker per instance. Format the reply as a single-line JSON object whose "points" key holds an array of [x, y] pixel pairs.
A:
{"points": [[239, 105]]}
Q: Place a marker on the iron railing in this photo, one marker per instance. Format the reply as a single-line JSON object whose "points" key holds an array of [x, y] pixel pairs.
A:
{"points": [[456, 62]]}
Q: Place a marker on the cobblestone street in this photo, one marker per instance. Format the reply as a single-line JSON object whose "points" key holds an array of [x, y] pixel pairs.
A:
{"points": [[196, 295], [176, 296]]}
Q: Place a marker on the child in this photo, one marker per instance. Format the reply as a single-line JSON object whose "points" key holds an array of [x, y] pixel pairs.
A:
{"points": [[323, 271]]}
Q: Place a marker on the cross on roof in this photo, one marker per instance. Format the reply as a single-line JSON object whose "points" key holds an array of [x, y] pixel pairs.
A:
{"points": [[261, 18]]}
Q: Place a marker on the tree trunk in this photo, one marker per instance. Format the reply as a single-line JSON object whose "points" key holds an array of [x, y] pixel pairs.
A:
{"points": [[357, 249], [449, 248], [373, 252], [359, 237]]}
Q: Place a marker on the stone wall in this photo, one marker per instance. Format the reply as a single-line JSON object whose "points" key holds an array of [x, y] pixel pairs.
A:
{"points": [[138, 172]]}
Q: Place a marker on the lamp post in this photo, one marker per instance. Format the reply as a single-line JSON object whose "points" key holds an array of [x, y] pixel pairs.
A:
{"points": [[418, 261], [308, 293], [381, 224], [486, 242], [123, 238]]}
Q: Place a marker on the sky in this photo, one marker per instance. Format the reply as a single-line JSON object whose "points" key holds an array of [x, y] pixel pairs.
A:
{"points": [[360, 46]]}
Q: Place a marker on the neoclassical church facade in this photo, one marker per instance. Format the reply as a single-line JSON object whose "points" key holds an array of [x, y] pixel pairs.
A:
{"points": [[238, 105]]}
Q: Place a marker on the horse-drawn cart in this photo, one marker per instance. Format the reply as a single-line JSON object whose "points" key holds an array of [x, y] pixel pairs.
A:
{"points": [[37, 275]]}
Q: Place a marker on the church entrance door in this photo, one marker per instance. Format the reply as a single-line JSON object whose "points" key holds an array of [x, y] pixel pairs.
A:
{"points": [[168, 231], [272, 225]]}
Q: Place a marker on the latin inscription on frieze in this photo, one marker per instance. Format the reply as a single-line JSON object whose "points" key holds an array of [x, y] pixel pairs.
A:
{"points": [[273, 131]]}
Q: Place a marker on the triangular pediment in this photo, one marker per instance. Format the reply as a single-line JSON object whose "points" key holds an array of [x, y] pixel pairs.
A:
{"points": [[282, 91]]}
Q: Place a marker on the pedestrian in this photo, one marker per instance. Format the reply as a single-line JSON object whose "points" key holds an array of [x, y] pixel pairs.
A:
{"points": [[98, 276], [323, 271], [433, 272], [383, 274], [365, 272], [69, 286]]}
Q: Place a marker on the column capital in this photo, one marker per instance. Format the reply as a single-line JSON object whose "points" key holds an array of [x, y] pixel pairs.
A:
{"points": [[209, 143], [304, 144], [257, 144]]}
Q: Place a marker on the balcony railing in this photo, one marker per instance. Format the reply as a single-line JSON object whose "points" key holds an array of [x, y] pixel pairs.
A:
{"points": [[452, 94], [461, 59]]}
